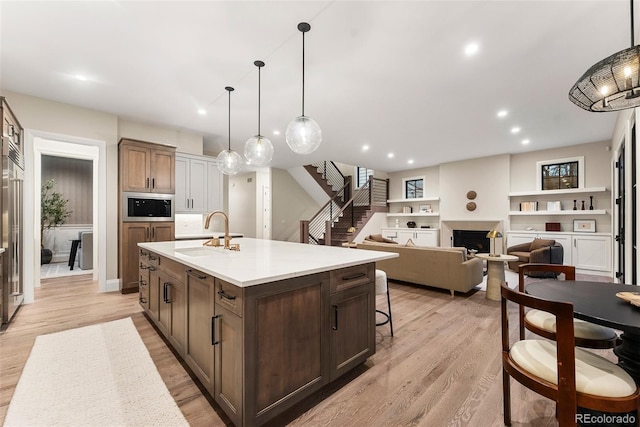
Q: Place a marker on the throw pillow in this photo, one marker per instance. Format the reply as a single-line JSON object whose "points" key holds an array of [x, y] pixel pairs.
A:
{"points": [[541, 243], [409, 243]]}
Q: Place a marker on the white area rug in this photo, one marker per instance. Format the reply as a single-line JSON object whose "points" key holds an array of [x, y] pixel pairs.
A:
{"points": [[510, 276], [99, 375]]}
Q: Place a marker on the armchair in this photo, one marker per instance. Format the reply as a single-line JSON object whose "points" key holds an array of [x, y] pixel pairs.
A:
{"points": [[540, 251]]}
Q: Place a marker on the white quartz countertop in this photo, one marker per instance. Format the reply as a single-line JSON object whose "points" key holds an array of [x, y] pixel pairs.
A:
{"points": [[262, 261]]}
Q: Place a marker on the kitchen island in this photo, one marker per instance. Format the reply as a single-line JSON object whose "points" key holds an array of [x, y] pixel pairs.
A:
{"points": [[265, 326]]}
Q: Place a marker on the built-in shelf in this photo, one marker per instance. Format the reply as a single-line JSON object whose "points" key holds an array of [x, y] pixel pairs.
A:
{"points": [[549, 213], [422, 199], [413, 214], [558, 192]]}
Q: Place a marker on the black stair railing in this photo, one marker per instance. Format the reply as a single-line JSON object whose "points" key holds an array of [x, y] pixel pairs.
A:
{"points": [[332, 176], [373, 193]]}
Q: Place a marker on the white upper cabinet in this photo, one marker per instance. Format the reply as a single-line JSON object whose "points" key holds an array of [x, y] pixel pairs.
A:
{"points": [[198, 186]]}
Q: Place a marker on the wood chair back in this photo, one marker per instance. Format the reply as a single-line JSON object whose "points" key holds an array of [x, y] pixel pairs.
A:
{"points": [[564, 393]]}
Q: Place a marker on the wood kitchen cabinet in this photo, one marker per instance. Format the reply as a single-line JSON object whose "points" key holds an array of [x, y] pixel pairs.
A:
{"points": [[168, 301], [200, 311], [133, 233], [259, 350], [352, 318], [146, 167]]}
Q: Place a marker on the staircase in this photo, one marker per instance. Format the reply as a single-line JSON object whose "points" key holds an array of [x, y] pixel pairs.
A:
{"points": [[338, 221]]}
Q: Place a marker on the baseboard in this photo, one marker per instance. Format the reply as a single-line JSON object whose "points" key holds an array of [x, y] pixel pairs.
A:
{"points": [[113, 285]]}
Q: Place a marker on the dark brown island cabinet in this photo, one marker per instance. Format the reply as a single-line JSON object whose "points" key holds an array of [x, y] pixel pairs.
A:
{"points": [[259, 350]]}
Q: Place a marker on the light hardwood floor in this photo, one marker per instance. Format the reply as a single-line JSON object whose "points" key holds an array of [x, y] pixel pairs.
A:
{"points": [[442, 367]]}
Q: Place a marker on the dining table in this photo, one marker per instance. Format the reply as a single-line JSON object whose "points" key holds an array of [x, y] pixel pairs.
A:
{"points": [[596, 302]]}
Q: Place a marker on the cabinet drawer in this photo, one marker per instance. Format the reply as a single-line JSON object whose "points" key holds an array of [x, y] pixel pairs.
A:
{"points": [[172, 268], [350, 277], [229, 296], [143, 297]]}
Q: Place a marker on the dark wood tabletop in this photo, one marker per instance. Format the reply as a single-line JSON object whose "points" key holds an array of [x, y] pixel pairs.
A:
{"points": [[594, 302]]}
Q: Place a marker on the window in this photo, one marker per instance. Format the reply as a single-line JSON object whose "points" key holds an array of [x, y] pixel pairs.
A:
{"points": [[413, 188], [362, 176], [561, 174]]}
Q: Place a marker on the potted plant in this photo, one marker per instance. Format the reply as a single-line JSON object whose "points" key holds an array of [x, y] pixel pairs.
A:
{"points": [[53, 212]]}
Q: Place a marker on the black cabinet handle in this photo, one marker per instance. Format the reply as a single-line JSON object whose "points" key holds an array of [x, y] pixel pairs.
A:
{"points": [[225, 295], [213, 330], [353, 276], [335, 317], [153, 183], [196, 275], [147, 186], [144, 253], [143, 267], [166, 290], [143, 300], [152, 258], [143, 283]]}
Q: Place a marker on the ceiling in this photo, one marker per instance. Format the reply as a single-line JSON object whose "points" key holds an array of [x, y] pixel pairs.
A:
{"points": [[389, 74]]}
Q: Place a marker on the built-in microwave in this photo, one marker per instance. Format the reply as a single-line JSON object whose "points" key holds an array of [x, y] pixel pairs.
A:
{"points": [[147, 207]]}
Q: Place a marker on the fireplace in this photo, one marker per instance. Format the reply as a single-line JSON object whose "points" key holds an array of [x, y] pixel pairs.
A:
{"points": [[472, 239]]}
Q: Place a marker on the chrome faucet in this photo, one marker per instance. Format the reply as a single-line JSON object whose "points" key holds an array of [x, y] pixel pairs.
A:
{"points": [[215, 241]]}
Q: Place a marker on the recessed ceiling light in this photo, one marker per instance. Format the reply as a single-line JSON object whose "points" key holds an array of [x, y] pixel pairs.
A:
{"points": [[410, 161], [81, 77], [202, 112], [471, 49], [390, 155], [503, 113], [276, 132], [515, 129], [365, 147], [525, 141]]}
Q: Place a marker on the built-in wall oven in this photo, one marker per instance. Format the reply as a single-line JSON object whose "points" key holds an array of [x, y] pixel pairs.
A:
{"points": [[147, 207]]}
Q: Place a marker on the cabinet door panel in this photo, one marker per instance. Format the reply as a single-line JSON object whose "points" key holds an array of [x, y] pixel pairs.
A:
{"points": [[182, 198], [352, 329], [163, 232], [214, 188], [135, 172], [228, 363], [592, 252], [162, 171], [199, 349], [426, 238], [198, 186], [132, 234]]}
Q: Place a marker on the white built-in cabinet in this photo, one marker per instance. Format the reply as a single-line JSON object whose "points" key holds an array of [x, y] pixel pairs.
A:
{"points": [[590, 253], [420, 237], [198, 184]]}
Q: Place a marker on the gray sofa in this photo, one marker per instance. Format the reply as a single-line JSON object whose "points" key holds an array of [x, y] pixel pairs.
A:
{"points": [[540, 251]]}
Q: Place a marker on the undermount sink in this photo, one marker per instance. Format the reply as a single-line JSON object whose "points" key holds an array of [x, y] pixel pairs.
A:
{"points": [[200, 251]]}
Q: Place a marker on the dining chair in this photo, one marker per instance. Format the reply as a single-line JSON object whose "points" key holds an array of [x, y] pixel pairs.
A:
{"points": [[558, 370], [588, 335]]}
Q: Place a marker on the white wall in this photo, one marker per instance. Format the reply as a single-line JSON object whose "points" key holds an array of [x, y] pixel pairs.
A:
{"points": [[242, 204], [290, 205], [185, 142]]}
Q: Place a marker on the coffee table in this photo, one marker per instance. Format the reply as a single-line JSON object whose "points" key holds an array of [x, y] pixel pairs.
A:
{"points": [[495, 273]]}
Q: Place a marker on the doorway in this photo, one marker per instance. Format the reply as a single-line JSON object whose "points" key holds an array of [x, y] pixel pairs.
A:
{"points": [[45, 143], [67, 247]]}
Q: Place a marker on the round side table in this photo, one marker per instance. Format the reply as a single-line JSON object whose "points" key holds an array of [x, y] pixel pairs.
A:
{"points": [[495, 273]]}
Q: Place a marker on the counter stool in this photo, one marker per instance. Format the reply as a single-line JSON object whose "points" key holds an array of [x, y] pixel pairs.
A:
{"points": [[382, 287]]}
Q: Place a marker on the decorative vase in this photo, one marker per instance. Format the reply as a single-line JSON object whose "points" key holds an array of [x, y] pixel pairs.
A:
{"points": [[45, 256], [411, 224]]}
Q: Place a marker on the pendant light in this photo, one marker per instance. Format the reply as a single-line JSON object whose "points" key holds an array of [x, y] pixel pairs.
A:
{"points": [[258, 150], [303, 134], [229, 162], [613, 83]]}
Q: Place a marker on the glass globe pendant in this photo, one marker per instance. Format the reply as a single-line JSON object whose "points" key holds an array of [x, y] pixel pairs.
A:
{"points": [[229, 162], [303, 135], [258, 150]]}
